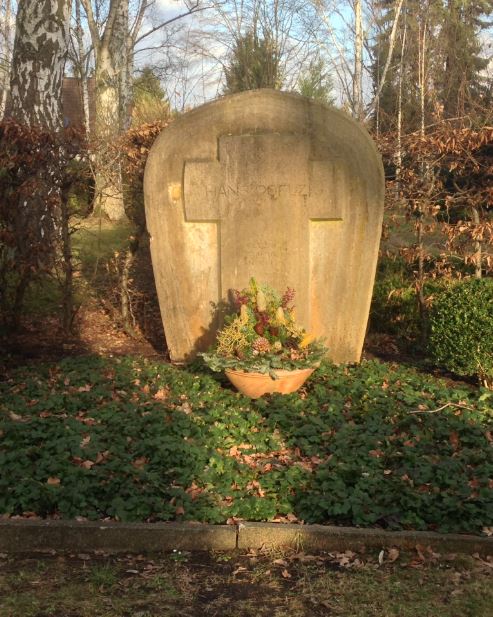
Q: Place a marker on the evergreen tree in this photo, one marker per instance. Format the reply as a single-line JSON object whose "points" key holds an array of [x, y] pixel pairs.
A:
{"points": [[149, 102], [253, 64], [438, 55], [418, 23], [316, 83], [147, 85], [462, 87]]}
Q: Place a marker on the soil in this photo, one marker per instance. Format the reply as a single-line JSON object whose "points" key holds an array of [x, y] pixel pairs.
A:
{"points": [[95, 333], [246, 584]]}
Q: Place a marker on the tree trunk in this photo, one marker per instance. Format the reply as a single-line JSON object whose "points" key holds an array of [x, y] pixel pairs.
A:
{"points": [[478, 249], [376, 99], [112, 84], [118, 52], [422, 73], [40, 50], [424, 173], [38, 62], [6, 59], [358, 62], [82, 68], [108, 183], [398, 154]]}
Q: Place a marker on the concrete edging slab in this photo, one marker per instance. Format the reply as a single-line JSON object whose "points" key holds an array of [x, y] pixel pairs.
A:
{"points": [[331, 538], [31, 536], [38, 535]]}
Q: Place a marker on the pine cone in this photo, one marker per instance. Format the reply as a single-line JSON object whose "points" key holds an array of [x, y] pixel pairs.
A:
{"points": [[261, 345]]}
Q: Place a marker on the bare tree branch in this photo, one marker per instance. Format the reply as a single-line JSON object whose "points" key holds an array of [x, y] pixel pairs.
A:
{"points": [[195, 8]]}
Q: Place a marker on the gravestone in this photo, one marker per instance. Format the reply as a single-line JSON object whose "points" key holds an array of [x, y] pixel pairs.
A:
{"points": [[269, 185]]}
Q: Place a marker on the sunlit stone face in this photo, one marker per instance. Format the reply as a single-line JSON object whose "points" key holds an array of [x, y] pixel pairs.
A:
{"points": [[269, 185]]}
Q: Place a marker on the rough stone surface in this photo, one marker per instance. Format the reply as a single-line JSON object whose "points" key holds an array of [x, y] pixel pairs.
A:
{"points": [[31, 536], [270, 185]]}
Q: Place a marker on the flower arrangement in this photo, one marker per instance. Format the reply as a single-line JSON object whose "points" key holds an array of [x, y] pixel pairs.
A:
{"points": [[263, 335]]}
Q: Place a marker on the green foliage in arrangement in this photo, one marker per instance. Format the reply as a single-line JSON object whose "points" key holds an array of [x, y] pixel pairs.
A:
{"points": [[137, 440], [461, 329], [263, 335]]}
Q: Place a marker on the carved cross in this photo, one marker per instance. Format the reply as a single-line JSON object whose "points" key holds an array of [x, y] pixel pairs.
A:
{"points": [[264, 192]]}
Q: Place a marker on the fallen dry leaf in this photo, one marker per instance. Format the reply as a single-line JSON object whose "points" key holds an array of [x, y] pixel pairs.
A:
{"points": [[240, 569], [102, 456], [140, 462], [162, 394], [454, 440], [393, 554], [376, 453], [16, 417]]}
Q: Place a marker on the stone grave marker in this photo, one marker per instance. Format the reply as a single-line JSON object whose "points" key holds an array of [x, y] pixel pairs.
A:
{"points": [[270, 185]]}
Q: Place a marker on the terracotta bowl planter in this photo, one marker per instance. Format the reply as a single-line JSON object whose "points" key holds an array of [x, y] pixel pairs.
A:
{"points": [[255, 385]]}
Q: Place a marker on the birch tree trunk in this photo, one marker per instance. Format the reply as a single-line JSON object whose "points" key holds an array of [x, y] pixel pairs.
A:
{"points": [[422, 50], [376, 99], [358, 62], [38, 63], [111, 91], [81, 66], [398, 153], [5, 56], [114, 41]]}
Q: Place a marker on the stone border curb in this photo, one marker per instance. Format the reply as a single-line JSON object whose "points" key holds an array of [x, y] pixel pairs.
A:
{"points": [[31, 536], [330, 538]]}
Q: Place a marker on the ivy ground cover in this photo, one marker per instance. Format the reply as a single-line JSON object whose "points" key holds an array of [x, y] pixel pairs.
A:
{"points": [[138, 440]]}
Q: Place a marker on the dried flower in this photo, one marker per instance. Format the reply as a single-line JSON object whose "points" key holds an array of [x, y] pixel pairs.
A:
{"points": [[287, 297], [261, 301]]}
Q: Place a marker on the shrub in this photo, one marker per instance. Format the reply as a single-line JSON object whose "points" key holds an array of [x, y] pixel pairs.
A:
{"points": [[394, 307], [461, 329], [38, 171]]}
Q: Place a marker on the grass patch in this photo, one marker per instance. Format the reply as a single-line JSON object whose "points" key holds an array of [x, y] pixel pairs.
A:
{"points": [[253, 584], [139, 440], [96, 241]]}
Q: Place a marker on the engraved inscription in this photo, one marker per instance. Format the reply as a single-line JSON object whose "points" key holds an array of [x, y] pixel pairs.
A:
{"points": [[275, 191]]}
